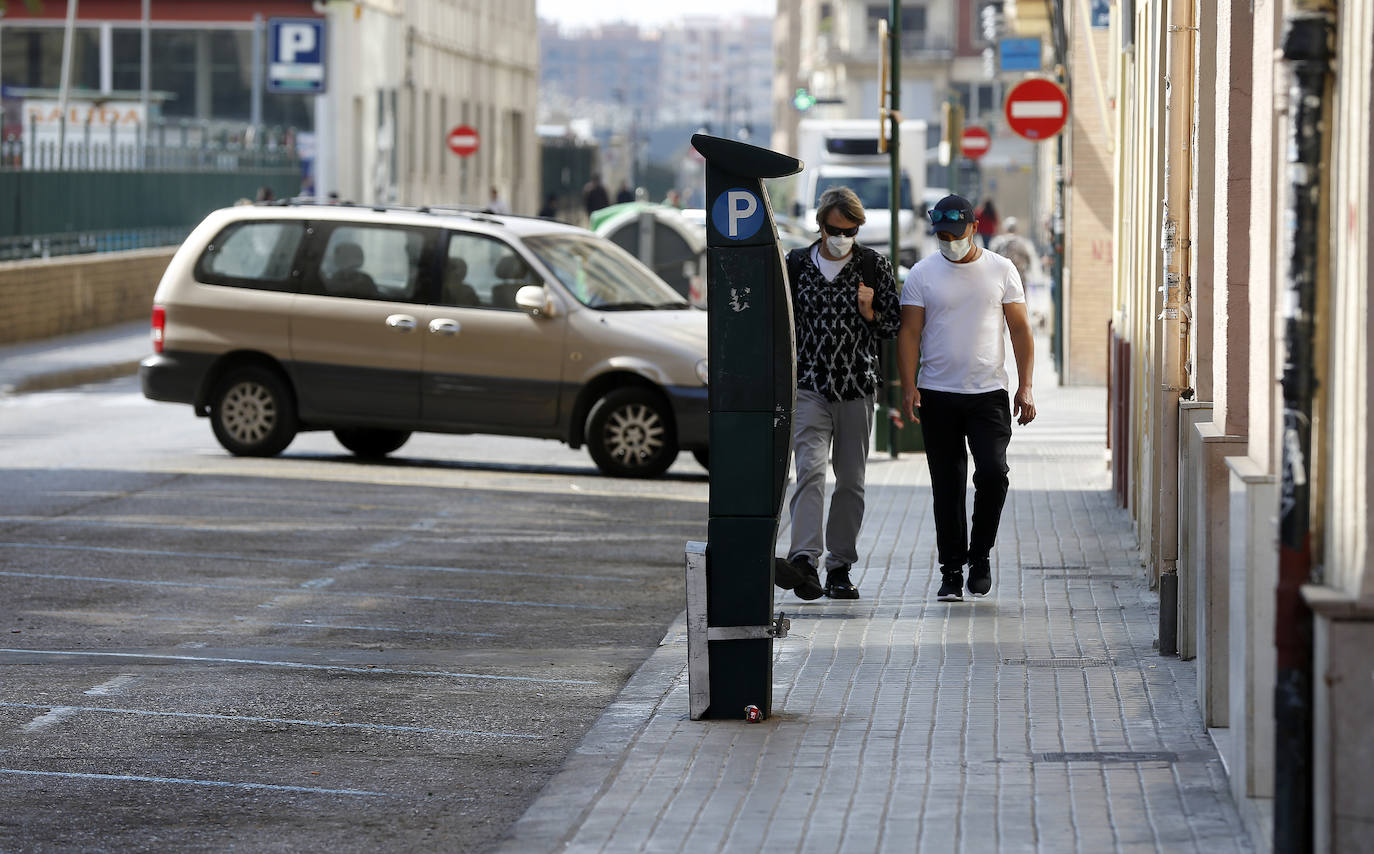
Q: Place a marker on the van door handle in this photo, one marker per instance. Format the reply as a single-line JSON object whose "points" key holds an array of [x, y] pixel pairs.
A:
{"points": [[401, 322], [444, 326]]}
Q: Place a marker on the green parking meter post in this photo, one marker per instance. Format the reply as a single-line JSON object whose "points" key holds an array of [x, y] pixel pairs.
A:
{"points": [[752, 397]]}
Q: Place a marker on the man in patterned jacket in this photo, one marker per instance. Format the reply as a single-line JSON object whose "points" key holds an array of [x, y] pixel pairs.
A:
{"points": [[844, 301]]}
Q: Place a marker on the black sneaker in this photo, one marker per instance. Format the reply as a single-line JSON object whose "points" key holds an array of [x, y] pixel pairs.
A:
{"points": [[838, 585], [806, 580], [952, 584], [979, 576]]}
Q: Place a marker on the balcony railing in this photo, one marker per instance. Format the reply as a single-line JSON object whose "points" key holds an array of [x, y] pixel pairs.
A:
{"points": [[916, 45]]}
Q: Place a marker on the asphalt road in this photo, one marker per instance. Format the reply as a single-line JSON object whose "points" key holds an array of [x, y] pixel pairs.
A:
{"points": [[199, 652]]}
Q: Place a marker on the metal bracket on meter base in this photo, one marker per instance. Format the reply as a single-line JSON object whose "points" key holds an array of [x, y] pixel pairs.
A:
{"points": [[700, 633]]}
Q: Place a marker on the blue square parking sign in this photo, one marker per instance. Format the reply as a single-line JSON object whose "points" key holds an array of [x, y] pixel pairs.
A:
{"points": [[295, 55]]}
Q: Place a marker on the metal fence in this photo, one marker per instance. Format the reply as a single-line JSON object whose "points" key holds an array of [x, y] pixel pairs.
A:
{"points": [[103, 189], [180, 146], [83, 242]]}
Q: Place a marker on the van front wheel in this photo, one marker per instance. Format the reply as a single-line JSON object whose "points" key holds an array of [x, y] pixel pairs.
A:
{"points": [[630, 433], [253, 413]]}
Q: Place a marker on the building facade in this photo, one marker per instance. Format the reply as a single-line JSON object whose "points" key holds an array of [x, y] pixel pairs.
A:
{"points": [[1239, 376], [413, 72]]}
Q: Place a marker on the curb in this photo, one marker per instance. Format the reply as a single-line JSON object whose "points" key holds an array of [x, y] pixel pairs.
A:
{"points": [[550, 822], [69, 377]]}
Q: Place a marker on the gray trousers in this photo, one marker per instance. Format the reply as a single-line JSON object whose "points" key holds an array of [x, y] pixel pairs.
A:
{"points": [[818, 425]]}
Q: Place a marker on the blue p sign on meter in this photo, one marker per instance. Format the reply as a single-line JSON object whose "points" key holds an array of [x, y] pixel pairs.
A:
{"points": [[295, 55], [737, 214]]}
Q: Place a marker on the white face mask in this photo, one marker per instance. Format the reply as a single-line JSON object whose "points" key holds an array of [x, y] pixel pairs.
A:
{"points": [[955, 250], [839, 246]]}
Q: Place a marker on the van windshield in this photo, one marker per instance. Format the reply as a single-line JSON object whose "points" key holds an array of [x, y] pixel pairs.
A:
{"points": [[874, 191], [601, 275]]}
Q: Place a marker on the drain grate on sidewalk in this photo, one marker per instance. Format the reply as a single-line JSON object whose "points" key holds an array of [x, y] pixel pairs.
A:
{"points": [[1061, 662], [1104, 756]]}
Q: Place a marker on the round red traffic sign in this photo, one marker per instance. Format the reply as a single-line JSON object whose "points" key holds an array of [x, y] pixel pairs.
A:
{"points": [[976, 142], [1037, 108], [464, 140]]}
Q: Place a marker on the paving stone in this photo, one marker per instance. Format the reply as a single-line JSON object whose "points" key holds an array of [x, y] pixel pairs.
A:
{"points": [[898, 720]]}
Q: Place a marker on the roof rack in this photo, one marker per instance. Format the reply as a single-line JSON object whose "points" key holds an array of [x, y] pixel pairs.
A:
{"points": [[469, 211]]}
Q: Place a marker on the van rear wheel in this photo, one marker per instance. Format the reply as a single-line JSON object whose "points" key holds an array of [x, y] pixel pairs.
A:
{"points": [[371, 443], [253, 412], [630, 433]]}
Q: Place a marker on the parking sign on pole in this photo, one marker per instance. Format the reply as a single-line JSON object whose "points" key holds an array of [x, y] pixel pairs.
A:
{"points": [[295, 56]]}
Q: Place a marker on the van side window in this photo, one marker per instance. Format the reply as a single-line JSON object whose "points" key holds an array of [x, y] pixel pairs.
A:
{"points": [[252, 255], [372, 262], [481, 272]]}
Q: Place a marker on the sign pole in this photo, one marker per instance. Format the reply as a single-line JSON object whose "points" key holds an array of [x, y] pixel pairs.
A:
{"points": [[66, 83], [255, 108]]}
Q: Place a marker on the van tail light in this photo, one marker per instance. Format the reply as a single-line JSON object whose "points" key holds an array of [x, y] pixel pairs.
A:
{"points": [[159, 327]]}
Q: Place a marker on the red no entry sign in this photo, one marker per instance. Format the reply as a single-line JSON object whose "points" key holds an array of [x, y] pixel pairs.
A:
{"points": [[1037, 108], [464, 140], [976, 142]]}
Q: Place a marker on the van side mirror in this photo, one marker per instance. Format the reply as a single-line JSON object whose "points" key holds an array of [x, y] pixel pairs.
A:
{"points": [[533, 299]]}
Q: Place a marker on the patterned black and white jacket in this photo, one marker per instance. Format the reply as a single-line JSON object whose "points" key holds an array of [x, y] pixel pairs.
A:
{"points": [[837, 350]]}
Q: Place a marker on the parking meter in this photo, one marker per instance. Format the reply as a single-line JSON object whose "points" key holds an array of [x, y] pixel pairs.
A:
{"points": [[752, 396]]}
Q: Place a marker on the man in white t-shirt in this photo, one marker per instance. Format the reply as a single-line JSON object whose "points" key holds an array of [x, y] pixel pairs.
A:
{"points": [[954, 307]]}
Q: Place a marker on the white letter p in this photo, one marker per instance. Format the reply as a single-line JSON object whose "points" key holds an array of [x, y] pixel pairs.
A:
{"points": [[738, 212], [295, 40]]}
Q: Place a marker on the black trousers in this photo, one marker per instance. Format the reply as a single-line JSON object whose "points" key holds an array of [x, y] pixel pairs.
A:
{"points": [[955, 425]]}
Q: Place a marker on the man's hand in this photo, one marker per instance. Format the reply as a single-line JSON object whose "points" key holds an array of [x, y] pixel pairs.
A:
{"points": [[865, 301], [911, 404], [1025, 406]]}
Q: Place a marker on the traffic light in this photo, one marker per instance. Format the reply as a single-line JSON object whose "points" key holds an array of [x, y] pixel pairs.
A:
{"points": [[803, 100]]}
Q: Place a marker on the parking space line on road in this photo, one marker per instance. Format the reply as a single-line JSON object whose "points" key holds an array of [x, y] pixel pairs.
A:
{"points": [[242, 588], [220, 784], [113, 686], [55, 716], [70, 710], [351, 565], [251, 622], [299, 665]]}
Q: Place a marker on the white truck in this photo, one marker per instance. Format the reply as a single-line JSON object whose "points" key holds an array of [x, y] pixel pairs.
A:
{"points": [[844, 152]]}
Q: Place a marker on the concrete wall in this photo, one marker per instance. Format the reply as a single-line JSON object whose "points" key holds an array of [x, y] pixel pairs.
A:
{"points": [[58, 296]]}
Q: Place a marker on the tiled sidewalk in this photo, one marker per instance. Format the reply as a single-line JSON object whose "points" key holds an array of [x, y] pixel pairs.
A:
{"points": [[1038, 719]]}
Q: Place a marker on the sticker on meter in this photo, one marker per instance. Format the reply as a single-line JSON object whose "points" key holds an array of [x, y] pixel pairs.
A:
{"points": [[737, 214]]}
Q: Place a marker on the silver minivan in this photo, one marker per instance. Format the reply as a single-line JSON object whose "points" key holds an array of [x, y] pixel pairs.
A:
{"points": [[377, 322]]}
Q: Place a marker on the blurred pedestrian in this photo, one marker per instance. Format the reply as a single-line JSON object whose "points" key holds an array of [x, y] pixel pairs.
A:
{"points": [[624, 194], [1015, 248], [844, 299], [673, 199], [550, 208], [954, 307], [594, 196], [496, 204], [986, 215], [265, 194]]}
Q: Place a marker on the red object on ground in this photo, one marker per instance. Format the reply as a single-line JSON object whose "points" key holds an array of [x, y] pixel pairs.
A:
{"points": [[1037, 108]]}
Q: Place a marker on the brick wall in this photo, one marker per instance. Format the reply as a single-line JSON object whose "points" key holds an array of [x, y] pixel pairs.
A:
{"points": [[1088, 225], [57, 296]]}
